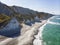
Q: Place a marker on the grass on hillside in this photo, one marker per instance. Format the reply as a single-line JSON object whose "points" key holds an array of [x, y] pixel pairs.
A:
{"points": [[3, 20]]}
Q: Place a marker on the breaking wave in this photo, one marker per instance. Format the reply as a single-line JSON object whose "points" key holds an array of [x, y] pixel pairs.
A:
{"points": [[56, 23], [54, 20]]}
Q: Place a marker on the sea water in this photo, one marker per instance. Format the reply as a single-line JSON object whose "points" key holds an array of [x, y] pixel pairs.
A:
{"points": [[51, 32]]}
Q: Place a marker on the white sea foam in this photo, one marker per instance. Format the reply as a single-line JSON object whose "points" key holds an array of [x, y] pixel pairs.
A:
{"points": [[56, 23], [38, 40]]}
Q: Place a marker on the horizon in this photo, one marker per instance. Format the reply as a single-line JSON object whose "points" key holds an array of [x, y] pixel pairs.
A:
{"points": [[48, 6]]}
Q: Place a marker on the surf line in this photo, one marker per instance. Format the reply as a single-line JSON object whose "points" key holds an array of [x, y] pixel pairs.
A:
{"points": [[53, 22]]}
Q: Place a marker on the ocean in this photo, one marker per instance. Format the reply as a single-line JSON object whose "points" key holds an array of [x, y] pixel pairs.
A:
{"points": [[51, 31]]}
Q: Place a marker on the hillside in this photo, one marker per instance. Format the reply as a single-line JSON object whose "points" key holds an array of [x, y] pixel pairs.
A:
{"points": [[22, 15], [18, 25], [4, 9], [4, 20], [9, 10]]}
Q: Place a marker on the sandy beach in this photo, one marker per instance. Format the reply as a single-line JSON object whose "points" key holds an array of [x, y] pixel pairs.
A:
{"points": [[26, 37]]}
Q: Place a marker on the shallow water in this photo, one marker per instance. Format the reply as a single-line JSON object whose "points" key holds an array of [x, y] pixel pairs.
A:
{"points": [[51, 32]]}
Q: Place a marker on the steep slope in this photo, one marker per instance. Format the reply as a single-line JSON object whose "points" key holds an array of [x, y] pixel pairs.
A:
{"points": [[24, 11], [3, 20], [44, 15], [4, 9], [12, 29], [29, 16], [21, 13]]}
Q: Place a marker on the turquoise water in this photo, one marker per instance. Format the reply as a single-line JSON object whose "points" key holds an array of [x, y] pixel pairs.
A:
{"points": [[55, 20], [51, 33]]}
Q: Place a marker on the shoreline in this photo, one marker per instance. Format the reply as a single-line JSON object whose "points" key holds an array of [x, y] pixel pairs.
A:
{"points": [[38, 38], [26, 37]]}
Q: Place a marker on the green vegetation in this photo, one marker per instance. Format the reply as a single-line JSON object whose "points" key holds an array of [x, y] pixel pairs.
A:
{"points": [[21, 17], [4, 19]]}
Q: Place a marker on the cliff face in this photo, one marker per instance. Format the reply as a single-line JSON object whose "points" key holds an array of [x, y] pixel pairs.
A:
{"points": [[29, 12], [23, 15], [12, 29], [26, 15], [44, 15], [4, 9], [24, 11]]}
